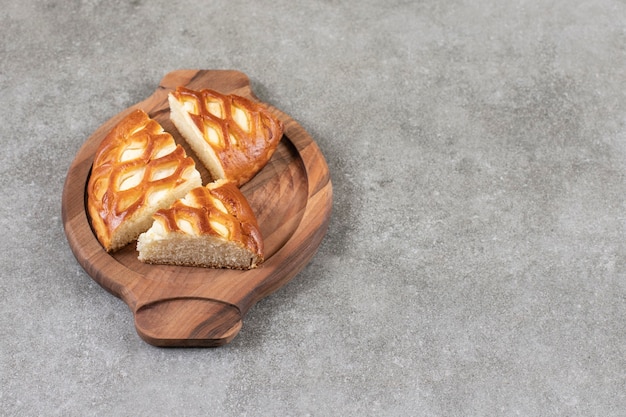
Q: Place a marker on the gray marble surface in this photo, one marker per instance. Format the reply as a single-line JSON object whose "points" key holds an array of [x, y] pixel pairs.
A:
{"points": [[475, 263]]}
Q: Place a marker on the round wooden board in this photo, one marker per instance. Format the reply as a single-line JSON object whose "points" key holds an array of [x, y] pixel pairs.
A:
{"points": [[188, 306]]}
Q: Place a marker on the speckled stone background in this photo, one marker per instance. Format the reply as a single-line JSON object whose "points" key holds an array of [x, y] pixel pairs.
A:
{"points": [[475, 263]]}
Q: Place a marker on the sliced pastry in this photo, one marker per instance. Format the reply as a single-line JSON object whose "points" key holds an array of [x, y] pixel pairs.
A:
{"points": [[212, 226], [137, 170], [232, 136]]}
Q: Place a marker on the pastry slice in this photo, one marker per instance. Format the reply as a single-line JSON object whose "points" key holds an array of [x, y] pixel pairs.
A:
{"points": [[212, 226], [233, 137], [138, 169]]}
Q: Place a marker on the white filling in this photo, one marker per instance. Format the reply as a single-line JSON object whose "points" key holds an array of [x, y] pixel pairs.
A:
{"points": [[190, 107], [131, 179], [185, 226], [137, 130], [219, 228], [189, 201], [131, 153], [212, 136], [157, 196], [166, 150], [192, 174], [163, 173], [219, 205], [241, 118], [215, 108]]}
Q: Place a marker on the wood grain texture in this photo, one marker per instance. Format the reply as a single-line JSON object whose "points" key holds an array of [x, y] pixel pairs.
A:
{"points": [[187, 306]]}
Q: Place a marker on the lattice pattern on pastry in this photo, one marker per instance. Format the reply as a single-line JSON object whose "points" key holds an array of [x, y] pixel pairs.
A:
{"points": [[226, 120], [241, 134], [137, 166], [217, 209], [212, 226]]}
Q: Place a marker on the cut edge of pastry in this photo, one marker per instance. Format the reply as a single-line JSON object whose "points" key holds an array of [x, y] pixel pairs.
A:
{"points": [[195, 138], [180, 249], [189, 233], [234, 137], [142, 220]]}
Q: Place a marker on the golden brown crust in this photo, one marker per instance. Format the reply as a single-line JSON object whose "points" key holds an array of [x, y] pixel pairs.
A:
{"points": [[219, 203], [242, 149], [134, 161]]}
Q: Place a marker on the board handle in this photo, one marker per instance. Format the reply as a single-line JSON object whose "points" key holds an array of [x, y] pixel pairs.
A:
{"points": [[188, 321]]}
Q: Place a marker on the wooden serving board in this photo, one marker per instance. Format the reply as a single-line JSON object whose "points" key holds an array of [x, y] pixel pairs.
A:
{"points": [[188, 306]]}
